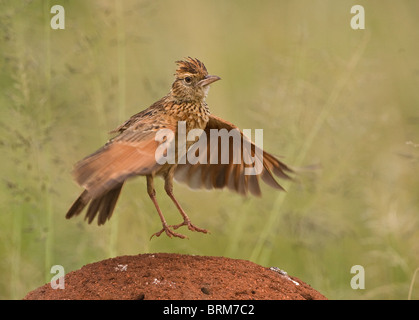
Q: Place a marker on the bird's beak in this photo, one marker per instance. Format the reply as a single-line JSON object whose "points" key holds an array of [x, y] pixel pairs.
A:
{"points": [[208, 80]]}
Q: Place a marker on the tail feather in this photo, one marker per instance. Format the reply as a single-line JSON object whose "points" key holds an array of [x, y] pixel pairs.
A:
{"points": [[78, 205], [107, 205], [104, 205]]}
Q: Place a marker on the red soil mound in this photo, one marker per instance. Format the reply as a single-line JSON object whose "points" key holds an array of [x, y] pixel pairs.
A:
{"points": [[175, 276]]}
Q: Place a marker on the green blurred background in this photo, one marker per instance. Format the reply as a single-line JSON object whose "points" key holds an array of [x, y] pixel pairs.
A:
{"points": [[340, 105]]}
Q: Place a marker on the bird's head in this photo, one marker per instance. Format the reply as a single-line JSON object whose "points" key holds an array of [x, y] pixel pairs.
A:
{"points": [[192, 80]]}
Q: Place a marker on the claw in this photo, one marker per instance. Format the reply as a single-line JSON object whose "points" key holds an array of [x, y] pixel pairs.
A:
{"points": [[190, 226], [170, 233]]}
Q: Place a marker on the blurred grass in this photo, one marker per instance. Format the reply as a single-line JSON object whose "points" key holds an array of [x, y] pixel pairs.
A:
{"points": [[340, 104]]}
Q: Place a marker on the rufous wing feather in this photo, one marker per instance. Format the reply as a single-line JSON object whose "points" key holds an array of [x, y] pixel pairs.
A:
{"points": [[216, 174], [127, 155]]}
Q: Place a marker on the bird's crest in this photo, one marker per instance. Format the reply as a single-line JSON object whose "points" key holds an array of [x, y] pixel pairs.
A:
{"points": [[192, 66]]}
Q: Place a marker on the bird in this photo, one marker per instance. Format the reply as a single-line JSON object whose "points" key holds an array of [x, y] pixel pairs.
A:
{"points": [[133, 149]]}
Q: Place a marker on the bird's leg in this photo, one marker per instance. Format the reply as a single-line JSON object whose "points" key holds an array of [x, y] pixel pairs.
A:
{"points": [[168, 186], [166, 228]]}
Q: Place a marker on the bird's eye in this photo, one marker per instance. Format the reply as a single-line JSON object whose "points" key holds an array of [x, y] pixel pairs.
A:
{"points": [[188, 80]]}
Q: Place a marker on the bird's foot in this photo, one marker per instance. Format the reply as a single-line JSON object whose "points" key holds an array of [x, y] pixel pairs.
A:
{"points": [[170, 233], [191, 227]]}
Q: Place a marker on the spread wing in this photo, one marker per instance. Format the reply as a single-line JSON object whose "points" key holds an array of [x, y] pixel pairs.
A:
{"points": [[246, 164], [132, 152]]}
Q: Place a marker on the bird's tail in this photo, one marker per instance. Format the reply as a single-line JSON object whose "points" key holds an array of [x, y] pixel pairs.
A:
{"points": [[104, 205]]}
